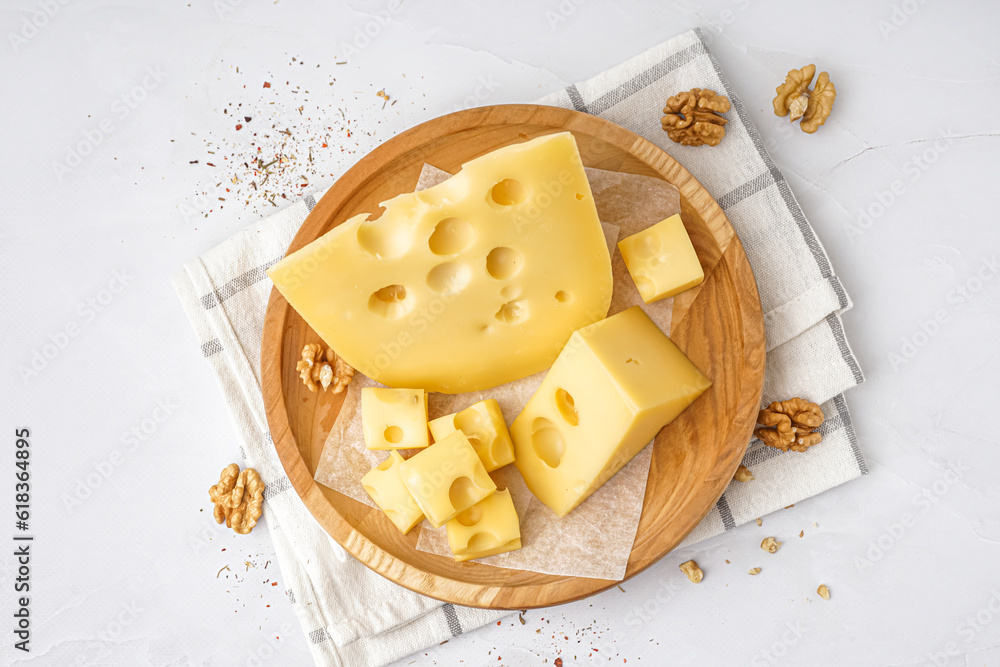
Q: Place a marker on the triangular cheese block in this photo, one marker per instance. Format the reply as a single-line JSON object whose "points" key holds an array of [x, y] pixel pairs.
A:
{"points": [[472, 283]]}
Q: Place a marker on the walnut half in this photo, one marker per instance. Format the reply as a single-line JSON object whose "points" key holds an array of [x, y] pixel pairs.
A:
{"points": [[325, 368], [238, 498], [695, 118], [790, 424], [693, 572], [794, 99]]}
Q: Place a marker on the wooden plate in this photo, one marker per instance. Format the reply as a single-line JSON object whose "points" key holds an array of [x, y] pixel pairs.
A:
{"points": [[718, 324]]}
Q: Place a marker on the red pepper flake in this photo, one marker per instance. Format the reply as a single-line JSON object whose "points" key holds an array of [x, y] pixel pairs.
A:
{"points": [[211, 165], [238, 127], [558, 662], [324, 146], [196, 162], [267, 84], [274, 583], [498, 622]]}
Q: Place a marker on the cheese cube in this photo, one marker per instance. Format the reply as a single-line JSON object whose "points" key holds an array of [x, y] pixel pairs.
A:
{"points": [[394, 418], [614, 386], [484, 425], [662, 260], [489, 527], [506, 255], [446, 478], [384, 486]]}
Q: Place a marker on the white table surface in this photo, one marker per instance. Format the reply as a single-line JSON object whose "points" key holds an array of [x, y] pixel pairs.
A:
{"points": [[126, 554]]}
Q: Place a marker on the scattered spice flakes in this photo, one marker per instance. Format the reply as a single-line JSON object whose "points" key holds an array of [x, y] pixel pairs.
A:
{"points": [[267, 84], [790, 506], [801, 533], [238, 127], [558, 662], [222, 570]]}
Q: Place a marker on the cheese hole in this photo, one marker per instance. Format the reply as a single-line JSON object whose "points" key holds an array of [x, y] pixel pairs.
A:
{"points": [[471, 516], [391, 302], [461, 493], [373, 492], [508, 192], [381, 240], [563, 297], [451, 236], [482, 542], [503, 263], [512, 312], [547, 442], [581, 196], [393, 435], [449, 278], [567, 407]]}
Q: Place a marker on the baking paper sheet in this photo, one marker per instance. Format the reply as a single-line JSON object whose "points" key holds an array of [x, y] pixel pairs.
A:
{"points": [[595, 539]]}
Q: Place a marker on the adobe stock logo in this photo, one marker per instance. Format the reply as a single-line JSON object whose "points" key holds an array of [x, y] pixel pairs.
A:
{"points": [[31, 25]]}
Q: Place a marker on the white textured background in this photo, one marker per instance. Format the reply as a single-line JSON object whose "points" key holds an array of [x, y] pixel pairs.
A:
{"points": [[125, 561]]}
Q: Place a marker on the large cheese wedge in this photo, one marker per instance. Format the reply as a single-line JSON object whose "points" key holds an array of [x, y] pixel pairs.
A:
{"points": [[472, 283], [617, 383]]}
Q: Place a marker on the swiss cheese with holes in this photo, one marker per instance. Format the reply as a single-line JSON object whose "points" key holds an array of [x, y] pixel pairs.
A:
{"points": [[617, 383], [474, 282], [487, 528], [484, 425]]}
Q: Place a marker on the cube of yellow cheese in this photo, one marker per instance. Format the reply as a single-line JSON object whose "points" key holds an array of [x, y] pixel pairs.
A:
{"points": [[506, 255], [384, 486], [489, 527], [662, 260], [394, 418], [614, 386], [446, 478], [484, 425]]}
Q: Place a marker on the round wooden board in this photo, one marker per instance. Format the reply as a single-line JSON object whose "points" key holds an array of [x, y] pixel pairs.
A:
{"points": [[718, 324]]}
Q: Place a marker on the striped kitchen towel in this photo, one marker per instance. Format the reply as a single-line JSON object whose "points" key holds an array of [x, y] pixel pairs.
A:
{"points": [[352, 616]]}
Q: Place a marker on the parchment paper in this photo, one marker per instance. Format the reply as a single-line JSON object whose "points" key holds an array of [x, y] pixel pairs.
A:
{"points": [[595, 539]]}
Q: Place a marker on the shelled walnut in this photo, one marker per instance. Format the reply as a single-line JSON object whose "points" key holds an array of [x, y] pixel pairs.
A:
{"points": [[794, 99], [770, 545], [323, 367], [790, 424], [743, 474], [694, 118], [238, 498]]}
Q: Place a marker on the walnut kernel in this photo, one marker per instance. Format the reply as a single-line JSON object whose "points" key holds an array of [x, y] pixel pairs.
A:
{"points": [[324, 367], [693, 572], [794, 99], [824, 591], [790, 424], [238, 498], [770, 545], [754, 571], [694, 118], [743, 474]]}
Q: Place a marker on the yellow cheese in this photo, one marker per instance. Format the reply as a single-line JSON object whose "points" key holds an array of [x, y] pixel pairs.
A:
{"points": [[383, 485], [489, 527], [484, 425], [662, 260], [446, 478], [507, 256], [613, 387], [394, 418]]}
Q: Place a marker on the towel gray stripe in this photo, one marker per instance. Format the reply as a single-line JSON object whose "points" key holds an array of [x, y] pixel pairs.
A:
{"points": [[852, 437], [211, 347], [725, 512], [645, 78], [310, 202], [278, 486], [452, 617], [807, 233], [845, 351], [237, 284], [748, 189], [291, 595], [838, 288], [318, 636], [576, 98]]}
